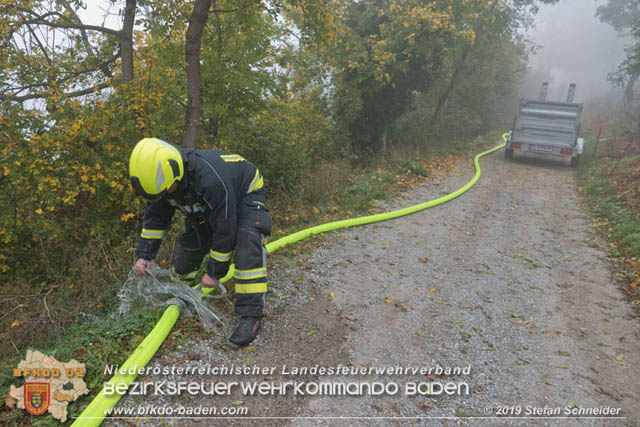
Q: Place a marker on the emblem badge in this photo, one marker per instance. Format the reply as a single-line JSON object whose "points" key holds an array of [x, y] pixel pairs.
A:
{"points": [[36, 397]]}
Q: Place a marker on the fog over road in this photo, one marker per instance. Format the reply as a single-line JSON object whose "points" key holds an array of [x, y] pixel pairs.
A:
{"points": [[574, 47]]}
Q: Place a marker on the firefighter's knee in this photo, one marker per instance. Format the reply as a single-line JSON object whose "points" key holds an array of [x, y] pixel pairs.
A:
{"points": [[249, 249], [186, 261]]}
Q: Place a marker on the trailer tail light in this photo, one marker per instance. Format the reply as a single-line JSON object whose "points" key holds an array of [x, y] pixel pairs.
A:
{"points": [[566, 151], [515, 145]]}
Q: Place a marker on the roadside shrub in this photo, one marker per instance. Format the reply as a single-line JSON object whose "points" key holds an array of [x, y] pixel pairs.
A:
{"points": [[65, 182], [283, 140]]}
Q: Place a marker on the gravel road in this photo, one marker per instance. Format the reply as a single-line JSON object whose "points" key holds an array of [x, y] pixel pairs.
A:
{"points": [[508, 283]]}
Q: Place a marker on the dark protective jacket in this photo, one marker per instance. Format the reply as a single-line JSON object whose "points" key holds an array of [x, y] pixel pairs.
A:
{"points": [[214, 184]]}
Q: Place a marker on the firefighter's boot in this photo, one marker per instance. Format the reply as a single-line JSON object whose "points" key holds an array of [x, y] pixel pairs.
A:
{"points": [[245, 332]]}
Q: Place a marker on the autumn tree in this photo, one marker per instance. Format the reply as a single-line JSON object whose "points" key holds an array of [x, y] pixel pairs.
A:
{"points": [[393, 51], [47, 50], [624, 16], [388, 50]]}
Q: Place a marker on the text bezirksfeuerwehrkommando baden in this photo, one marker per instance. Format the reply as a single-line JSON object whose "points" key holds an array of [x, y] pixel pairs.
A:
{"points": [[283, 388]]}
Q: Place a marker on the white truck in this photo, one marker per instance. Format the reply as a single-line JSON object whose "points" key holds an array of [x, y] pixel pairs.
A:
{"points": [[547, 127]]}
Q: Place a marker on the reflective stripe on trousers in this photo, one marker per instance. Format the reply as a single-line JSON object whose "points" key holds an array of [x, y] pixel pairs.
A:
{"points": [[250, 275]]}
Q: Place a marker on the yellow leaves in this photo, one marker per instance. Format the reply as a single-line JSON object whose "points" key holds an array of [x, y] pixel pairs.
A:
{"points": [[15, 323], [98, 176], [332, 294], [387, 300], [126, 216], [433, 289], [39, 211], [468, 35], [70, 199], [5, 171]]}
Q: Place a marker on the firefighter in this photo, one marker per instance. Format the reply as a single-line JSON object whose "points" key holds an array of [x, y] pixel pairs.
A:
{"points": [[223, 198]]}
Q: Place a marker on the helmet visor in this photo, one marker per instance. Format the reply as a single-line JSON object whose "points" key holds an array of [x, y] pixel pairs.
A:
{"points": [[139, 191]]}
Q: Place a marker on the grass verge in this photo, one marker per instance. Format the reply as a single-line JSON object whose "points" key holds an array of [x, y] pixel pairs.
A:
{"points": [[616, 218]]}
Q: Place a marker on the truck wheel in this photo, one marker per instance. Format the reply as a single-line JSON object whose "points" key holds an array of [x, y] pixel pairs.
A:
{"points": [[575, 160], [508, 153]]}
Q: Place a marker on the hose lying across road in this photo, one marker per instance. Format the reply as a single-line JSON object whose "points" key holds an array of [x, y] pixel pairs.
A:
{"points": [[95, 412]]}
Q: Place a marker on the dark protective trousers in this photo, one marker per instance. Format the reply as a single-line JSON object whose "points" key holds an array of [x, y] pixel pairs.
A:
{"points": [[250, 255]]}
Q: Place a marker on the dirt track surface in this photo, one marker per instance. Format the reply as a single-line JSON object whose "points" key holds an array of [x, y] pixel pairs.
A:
{"points": [[508, 279]]}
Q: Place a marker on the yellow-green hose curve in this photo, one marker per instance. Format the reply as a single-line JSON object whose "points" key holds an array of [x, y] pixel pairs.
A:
{"points": [[94, 413]]}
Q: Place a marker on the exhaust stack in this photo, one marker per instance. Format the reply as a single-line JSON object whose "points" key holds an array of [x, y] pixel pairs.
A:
{"points": [[543, 91], [571, 93]]}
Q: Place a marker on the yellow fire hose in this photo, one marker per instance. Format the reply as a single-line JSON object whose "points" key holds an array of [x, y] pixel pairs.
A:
{"points": [[96, 411]]}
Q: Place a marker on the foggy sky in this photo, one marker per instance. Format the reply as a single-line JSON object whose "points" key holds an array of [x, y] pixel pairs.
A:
{"points": [[576, 47]]}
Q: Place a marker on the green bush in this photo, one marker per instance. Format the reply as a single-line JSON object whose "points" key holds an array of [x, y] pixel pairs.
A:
{"points": [[284, 140]]}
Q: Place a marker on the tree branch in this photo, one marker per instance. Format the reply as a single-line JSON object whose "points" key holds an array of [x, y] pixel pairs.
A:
{"points": [[85, 38], [40, 45], [76, 27], [74, 94], [41, 20], [99, 67]]}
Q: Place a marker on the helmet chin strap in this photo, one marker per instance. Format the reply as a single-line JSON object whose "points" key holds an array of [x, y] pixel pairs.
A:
{"points": [[182, 185]]}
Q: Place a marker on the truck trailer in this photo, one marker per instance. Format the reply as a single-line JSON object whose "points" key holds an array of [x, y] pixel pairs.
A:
{"points": [[547, 127]]}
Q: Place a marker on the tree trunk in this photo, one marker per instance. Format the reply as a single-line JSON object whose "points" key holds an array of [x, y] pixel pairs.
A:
{"points": [[193, 41], [220, 89], [444, 98], [628, 91], [126, 40], [383, 140]]}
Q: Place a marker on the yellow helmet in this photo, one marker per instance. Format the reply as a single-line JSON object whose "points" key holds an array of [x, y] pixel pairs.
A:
{"points": [[154, 166]]}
